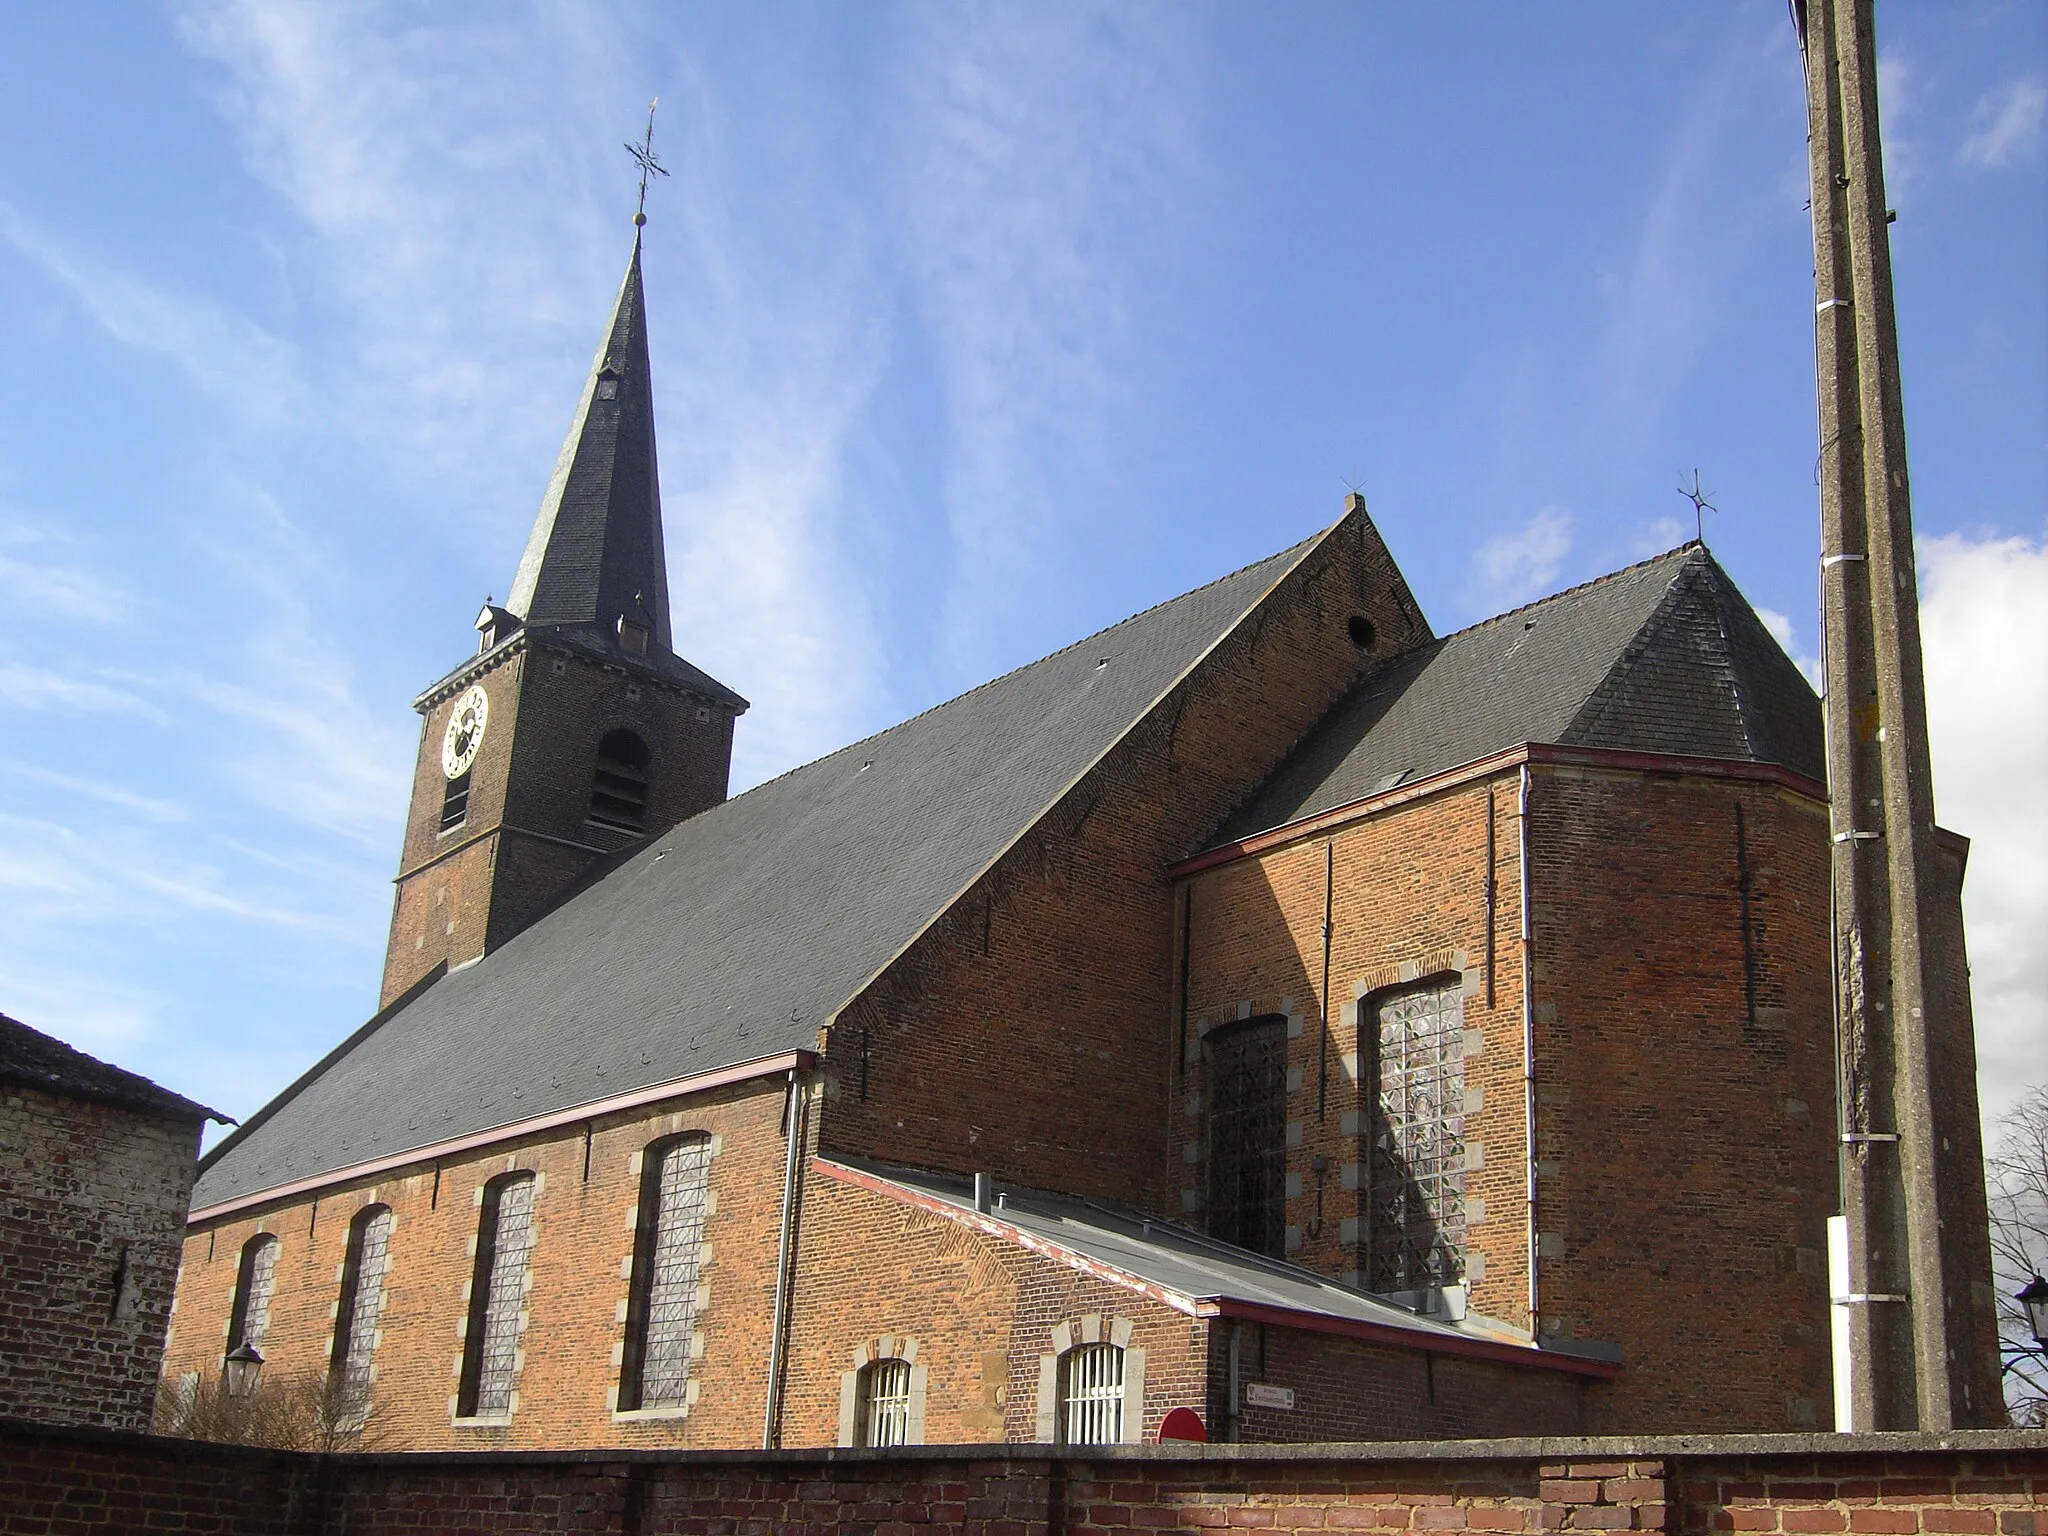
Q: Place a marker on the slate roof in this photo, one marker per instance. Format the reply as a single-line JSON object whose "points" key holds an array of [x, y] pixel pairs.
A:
{"points": [[1176, 1259], [736, 934], [31, 1058], [596, 551], [1665, 656]]}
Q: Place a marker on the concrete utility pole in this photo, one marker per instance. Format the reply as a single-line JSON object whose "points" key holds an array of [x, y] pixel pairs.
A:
{"points": [[1911, 1335]]}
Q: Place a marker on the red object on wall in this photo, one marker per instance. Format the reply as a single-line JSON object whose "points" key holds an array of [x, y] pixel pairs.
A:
{"points": [[1183, 1424]]}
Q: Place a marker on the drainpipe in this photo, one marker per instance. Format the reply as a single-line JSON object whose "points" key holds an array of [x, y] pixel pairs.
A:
{"points": [[793, 1133], [1528, 1040]]}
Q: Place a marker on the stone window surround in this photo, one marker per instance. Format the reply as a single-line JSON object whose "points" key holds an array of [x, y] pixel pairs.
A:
{"points": [[512, 1165], [678, 1125], [371, 1200], [1092, 1328], [866, 1353]]}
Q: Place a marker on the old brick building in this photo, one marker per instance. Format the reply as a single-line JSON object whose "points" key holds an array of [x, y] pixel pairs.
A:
{"points": [[96, 1168], [1264, 1007]]}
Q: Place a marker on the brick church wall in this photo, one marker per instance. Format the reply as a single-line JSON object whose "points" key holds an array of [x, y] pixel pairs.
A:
{"points": [[89, 1229], [578, 1282], [1685, 1137], [1685, 1092], [1044, 1000]]}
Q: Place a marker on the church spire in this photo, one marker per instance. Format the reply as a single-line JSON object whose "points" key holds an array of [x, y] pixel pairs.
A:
{"points": [[595, 554]]}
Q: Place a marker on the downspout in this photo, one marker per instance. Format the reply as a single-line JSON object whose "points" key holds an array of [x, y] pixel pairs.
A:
{"points": [[793, 1133], [1528, 1041], [1329, 1034]]}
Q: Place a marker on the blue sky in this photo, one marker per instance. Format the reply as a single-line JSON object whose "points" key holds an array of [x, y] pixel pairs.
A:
{"points": [[976, 328]]}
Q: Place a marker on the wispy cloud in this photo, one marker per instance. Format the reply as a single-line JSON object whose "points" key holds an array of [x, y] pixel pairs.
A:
{"points": [[1036, 142], [32, 687], [2006, 125], [43, 573], [1984, 622], [1787, 635], [153, 807], [1512, 568], [220, 349]]}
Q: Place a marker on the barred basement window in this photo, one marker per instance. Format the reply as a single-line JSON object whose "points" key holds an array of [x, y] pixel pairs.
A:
{"points": [[455, 803], [254, 1282], [1246, 1086], [661, 1314], [884, 1403], [618, 795], [362, 1305], [1092, 1395], [1416, 1228], [497, 1294]]}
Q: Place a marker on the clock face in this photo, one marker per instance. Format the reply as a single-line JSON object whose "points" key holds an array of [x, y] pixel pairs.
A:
{"points": [[465, 732]]}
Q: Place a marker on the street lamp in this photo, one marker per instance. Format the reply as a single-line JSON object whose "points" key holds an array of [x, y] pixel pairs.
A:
{"points": [[243, 1365], [2034, 1297]]}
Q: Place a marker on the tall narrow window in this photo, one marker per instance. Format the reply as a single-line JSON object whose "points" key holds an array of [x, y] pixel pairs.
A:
{"points": [[250, 1320], [661, 1315], [362, 1302], [618, 794], [504, 1242], [1417, 1171], [1247, 1096], [884, 1403], [455, 803], [1092, 1395]]}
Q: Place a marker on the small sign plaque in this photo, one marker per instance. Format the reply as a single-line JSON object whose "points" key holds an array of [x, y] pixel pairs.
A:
{"points": [[1257, 1394]]}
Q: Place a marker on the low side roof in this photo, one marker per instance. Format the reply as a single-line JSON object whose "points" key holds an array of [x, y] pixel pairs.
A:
{"points": [[736, 934], [1665, 656], [1182, 1262], [31, 1058]]}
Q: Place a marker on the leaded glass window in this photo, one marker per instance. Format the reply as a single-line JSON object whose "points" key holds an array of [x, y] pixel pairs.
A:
{"points": [[662, 1316], [250, 1320], [362, 1300], [1247, 1097], [885, 1403], [1417, 1197], [1092, 1395], [497, 1297]]}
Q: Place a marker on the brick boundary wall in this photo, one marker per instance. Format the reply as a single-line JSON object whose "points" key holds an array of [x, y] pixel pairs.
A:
{"points": [[1973, 1483]]}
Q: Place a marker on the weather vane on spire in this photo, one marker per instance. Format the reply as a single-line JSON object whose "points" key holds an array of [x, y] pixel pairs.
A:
{"points": [[643, 154]]}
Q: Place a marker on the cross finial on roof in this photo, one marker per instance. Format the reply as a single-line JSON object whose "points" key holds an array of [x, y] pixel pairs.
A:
{"points": [[1700, 507], [643, 156]]}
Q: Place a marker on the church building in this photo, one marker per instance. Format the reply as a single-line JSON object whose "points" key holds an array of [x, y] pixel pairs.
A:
{"points": [[1266, 1007]]}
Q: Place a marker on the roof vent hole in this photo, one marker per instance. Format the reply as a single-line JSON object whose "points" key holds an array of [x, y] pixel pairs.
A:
{"points": [[1361, 631]]}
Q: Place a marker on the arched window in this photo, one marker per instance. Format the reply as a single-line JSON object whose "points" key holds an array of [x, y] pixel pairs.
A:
{"points": [[250, 1320], [361, 1306], [884, 1415], [661, 1309], [497, 1294], [1416, 1196], [618, 794], [1092, 1395], [1246, 1092]]}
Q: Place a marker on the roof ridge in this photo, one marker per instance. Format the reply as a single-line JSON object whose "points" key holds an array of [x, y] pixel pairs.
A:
{"points": [[1687, 547], [932, 709], [1597, 704]]}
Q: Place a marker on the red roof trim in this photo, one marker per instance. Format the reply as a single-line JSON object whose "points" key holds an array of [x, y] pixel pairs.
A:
{"points": [[1656, 763]]}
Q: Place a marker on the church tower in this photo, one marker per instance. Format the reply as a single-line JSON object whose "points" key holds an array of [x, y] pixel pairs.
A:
{"points": [[575, 731]]}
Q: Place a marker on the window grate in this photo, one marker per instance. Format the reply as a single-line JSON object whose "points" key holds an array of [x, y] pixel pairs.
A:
{"points": [[494, 1329], [363, 1301], [1247, 1092], [885, 1403], [670, 1256], [1092, 1395], [1417, 1227], [251, 1319]]}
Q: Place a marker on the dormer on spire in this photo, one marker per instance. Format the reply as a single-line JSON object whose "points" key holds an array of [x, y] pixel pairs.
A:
{"points": [[595, 554]]}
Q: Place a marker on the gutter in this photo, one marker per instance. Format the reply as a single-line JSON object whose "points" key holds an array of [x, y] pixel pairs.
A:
{"points": [[794, 1128], [767, 1066], [1528, 1042]]}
